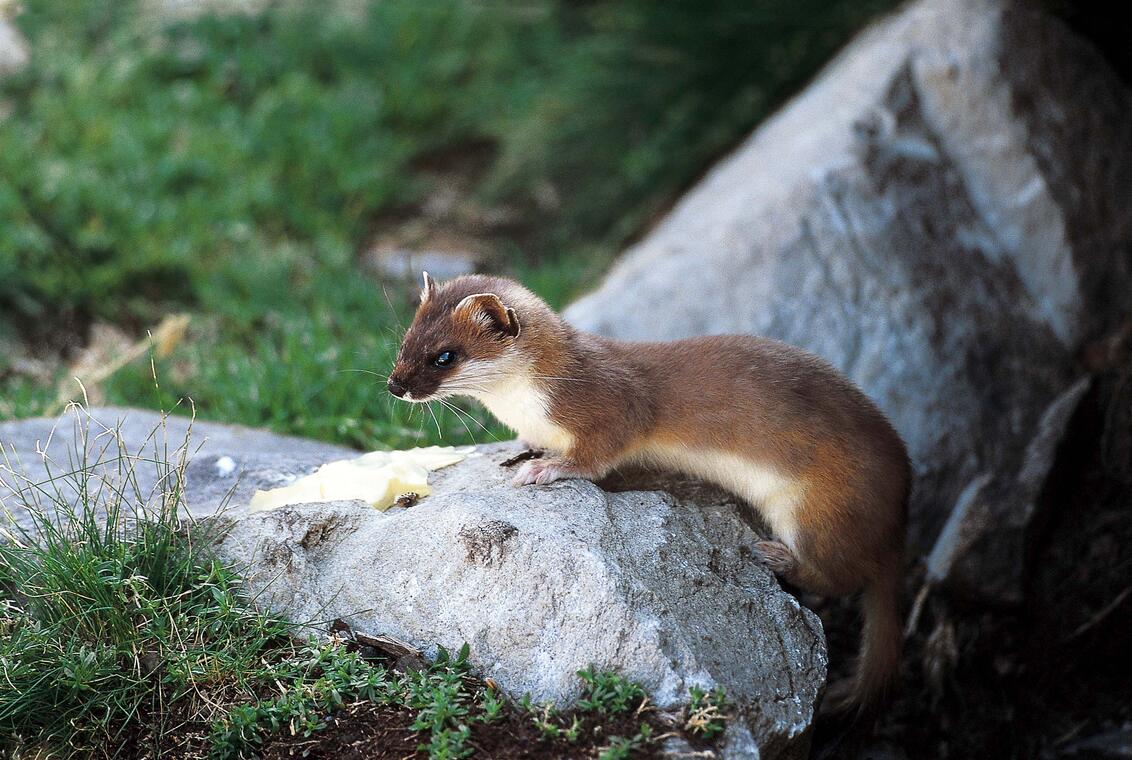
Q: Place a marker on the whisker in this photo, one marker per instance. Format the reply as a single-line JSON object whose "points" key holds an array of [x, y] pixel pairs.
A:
{"points": [[490, 374], [462, 387], [366, 372], [458, 417], [434, 419], [396, 317], [556, 377], [461, 414]]}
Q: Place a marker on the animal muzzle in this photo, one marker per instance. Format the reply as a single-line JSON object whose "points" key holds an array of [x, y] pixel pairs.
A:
{"points": [[396, 388]]}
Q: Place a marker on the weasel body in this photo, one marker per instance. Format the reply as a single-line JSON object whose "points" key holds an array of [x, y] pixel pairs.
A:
{"points": [[769, 422]]}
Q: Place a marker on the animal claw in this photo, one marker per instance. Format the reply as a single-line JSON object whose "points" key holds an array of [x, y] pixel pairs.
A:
{"points": [[542, 471]]}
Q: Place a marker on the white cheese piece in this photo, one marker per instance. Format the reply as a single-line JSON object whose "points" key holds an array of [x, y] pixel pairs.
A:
{"points": [[377, 478]]}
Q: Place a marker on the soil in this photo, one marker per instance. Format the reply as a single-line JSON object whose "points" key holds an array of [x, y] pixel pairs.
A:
{"points": [[367, 731]]}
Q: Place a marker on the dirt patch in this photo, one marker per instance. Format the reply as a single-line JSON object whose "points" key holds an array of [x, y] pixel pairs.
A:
{"points": [[362, 730], [375, 732]]}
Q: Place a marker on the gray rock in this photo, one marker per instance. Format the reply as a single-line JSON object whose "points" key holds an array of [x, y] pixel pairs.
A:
{"points": [[974, 538], [1112, 745], [946, 215], [224, 463], [544, 581], [190, 9], [13, 48], [404, 264]]}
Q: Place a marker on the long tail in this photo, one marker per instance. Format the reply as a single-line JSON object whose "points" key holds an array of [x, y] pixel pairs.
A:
{"points": [[882, 641]]}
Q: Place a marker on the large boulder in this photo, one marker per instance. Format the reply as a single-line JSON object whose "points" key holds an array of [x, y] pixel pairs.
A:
{"points": [[545, 581], [946, 215], [539, 581]]}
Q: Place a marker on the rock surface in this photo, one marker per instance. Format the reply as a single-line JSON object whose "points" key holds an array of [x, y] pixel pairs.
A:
{"points": [[946, 215], [544, 581], [227, 463], [540, 581]]}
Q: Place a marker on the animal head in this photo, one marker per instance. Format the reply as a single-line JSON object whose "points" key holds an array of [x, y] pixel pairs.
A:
{"points": [[462, 339]]}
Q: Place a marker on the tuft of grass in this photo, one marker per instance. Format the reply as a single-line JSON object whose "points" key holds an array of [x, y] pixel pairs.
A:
{"points": [[112, 612]]}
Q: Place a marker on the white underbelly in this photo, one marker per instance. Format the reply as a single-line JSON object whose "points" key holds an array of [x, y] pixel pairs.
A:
{"points": [[521, 407], [534, 430], [774, 495]]}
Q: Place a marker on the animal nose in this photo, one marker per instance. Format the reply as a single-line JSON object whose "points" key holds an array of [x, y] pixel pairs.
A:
{"points": [[396, 388]]}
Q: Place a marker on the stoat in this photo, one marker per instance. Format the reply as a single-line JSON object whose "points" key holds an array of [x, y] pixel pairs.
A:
{"points": [[771, 423]]}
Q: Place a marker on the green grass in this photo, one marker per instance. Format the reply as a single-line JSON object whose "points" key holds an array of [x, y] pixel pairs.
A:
{"points": [[234, 167]]}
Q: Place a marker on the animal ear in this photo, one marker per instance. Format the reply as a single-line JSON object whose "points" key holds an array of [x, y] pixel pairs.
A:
{"points": [[429, 289], [488, 310]]}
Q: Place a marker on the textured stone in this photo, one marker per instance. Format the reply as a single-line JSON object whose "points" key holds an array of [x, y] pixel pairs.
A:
{"points": [[225, 460], [946, 215], [543, 581]]}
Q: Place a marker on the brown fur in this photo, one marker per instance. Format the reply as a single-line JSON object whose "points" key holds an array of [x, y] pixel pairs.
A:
{"points": [[774, 405]]}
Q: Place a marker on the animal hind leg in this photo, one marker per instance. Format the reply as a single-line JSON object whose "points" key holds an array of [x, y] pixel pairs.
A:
{"points": [[784, 563], [780, 559]]}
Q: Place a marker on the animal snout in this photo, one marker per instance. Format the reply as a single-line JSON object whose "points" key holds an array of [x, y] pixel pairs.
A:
{"points": [[396, 388]]}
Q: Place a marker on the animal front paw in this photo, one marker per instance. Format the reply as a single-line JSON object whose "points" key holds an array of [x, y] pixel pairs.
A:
{"points": [[543, 471]]}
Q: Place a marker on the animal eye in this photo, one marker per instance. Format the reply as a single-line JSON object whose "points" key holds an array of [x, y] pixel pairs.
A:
{"points": [[444, 358]]}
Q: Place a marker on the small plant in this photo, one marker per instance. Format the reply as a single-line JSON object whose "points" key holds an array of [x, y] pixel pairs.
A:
{"points": [[705, 712], [326, 677], [491, 705], [608, 693], [605, 694], [449, 743], [550, 727], [620, 748], [440, 695], [544, 721]]}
